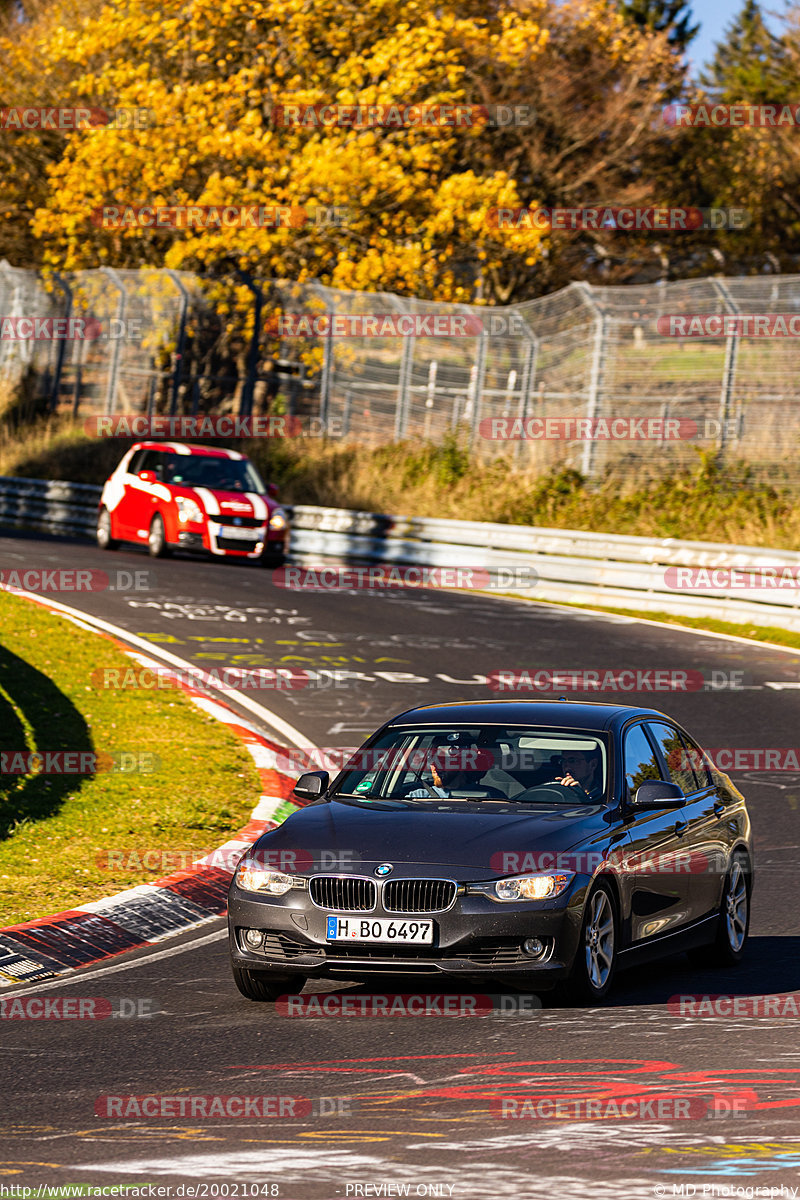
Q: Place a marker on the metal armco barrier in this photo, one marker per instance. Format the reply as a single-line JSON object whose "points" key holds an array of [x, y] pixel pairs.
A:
{"points": [[561, 565], [572, 566], [49, 505]]}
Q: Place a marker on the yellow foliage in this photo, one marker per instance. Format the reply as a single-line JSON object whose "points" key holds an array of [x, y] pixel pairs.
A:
{"points": [[213, 73]]}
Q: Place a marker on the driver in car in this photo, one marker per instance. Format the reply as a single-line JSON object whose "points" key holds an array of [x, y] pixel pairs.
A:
{"points": [[582, 771], [452, 774]]}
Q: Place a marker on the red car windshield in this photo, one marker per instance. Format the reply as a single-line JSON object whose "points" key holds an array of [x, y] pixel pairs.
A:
{"points": [[217, 474]]}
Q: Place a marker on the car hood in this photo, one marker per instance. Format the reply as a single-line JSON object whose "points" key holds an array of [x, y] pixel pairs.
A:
{"points": [[337, 836]]}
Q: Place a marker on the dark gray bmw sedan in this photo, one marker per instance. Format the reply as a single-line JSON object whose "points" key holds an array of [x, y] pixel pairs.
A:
{"points": [[538, 843]]}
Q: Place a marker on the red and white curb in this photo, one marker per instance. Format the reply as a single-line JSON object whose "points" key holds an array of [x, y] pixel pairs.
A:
{"points": [[150, 912]]}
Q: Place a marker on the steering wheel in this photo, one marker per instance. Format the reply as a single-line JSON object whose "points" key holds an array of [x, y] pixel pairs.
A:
{"points": [[564, 789]]}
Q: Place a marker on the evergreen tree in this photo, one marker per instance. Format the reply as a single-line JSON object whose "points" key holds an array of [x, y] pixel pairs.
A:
{"points": [[750, 64], [663, 16]]}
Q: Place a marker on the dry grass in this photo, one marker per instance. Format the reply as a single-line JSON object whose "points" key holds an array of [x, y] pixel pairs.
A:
{"points": [[703, 500]]}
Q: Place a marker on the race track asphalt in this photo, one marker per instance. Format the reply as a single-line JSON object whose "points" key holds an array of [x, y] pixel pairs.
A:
{"points": [[403, 1105]]}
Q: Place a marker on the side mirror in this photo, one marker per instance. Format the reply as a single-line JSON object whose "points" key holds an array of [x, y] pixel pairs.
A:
{"points": [[147, 476], [272, 490], [311, 785], [656, 793]]}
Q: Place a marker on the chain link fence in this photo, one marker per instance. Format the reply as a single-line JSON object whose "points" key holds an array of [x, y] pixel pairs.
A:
{"points": [[586, 377]]}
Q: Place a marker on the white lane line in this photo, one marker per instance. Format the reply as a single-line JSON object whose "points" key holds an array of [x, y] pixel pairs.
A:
{"points": [[623, 619], [281, 727], [78, 976]]}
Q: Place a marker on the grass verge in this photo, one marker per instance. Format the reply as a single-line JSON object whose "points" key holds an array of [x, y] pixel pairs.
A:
{"points": [[56, 831]]}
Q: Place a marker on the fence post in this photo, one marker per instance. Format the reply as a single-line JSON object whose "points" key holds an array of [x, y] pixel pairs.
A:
{"points": [[476, 386], [181, 347], [526, 383], [246, 402], [403, 379], [327, 373], [729, 368], [596, 375], [430, 396], [62, 345], [113, 371]]}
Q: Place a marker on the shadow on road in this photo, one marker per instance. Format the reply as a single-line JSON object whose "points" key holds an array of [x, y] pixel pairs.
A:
{"points": [[771, 966]]}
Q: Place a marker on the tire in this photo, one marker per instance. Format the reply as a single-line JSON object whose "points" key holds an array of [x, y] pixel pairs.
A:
{"points": [[261, 985], [271, 559], [157, 538], [104, 539], [729, 946], [595, 964]]}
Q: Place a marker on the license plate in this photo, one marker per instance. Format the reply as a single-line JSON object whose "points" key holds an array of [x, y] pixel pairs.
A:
{"points": [[239, 535], [361, 929]]}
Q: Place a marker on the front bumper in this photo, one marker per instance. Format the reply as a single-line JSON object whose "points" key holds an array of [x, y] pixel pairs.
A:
{"points": [[260, 542], [476, 938]]}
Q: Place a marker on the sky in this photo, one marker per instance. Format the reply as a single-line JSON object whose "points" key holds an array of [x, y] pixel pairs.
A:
{"points": [[714, 16]]}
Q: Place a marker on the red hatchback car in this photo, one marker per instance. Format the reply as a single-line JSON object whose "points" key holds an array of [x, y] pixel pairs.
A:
{"points": [[171, 495]]}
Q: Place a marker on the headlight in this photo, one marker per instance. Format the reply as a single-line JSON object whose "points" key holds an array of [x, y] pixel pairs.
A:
{"points": [[278, 519], [257, 879], [532, 887], [189, 510]]}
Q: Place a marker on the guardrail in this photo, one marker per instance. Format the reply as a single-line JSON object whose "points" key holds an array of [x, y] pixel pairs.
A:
{"points": [[575, 567], [561, 565], [49, 505]]}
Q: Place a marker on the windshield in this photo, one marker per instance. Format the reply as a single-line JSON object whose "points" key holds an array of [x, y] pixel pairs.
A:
{"points": [[218, 474], [524, 765]]}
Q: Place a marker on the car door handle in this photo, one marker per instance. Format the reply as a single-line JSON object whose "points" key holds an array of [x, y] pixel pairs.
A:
{"points": [[681, 827], [719, 809]]}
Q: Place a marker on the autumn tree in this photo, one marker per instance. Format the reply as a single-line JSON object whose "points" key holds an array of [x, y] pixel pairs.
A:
{"points": [[215, 74]]}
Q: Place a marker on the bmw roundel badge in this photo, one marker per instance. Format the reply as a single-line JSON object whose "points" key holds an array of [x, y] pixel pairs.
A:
{"points": [[384, 869]]}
